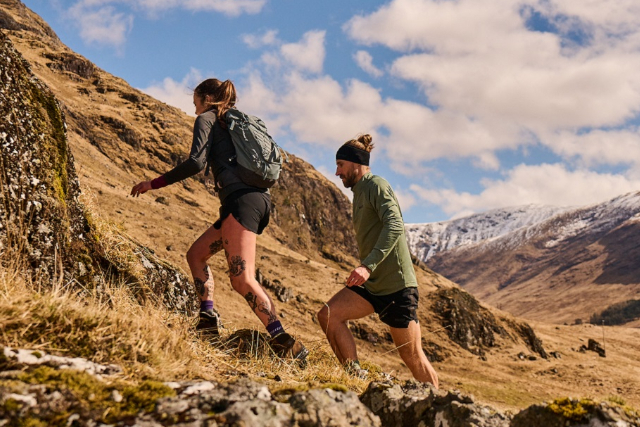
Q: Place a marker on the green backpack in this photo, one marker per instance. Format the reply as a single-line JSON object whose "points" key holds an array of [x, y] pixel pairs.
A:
{"points": [[258, 159]]}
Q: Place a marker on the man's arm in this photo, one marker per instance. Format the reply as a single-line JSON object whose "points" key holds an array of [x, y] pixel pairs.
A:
{"points": [[386, 206]]}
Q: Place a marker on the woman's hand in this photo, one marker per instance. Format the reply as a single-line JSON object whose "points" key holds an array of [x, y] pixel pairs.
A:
{"points": [[358, 276], [141, 188]]}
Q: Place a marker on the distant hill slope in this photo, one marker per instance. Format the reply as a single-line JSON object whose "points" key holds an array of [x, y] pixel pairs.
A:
{"points": [[542, 263], [146, 137]]}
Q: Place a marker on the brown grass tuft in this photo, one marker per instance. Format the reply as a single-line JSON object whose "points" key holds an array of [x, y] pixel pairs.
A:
{"points": [[108, 324]]}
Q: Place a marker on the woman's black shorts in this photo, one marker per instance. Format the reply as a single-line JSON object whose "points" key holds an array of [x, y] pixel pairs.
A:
{"points": [[397, 309], [251, 209]]}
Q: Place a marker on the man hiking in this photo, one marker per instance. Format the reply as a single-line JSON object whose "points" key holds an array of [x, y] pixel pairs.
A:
{"points": [[384, 282]]}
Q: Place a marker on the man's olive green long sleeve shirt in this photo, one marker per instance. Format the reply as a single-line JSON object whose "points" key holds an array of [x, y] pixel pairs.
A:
{"points": [[380, 234]]}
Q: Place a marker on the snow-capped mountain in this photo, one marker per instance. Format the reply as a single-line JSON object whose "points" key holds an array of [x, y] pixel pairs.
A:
{"points": [[540, 262], [425, 240]]}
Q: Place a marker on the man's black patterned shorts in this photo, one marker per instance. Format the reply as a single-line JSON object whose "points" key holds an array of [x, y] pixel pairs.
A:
{"points": [[397, 309]]}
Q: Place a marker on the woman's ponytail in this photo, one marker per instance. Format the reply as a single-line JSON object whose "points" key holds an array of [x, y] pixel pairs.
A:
{"points": [[227, 98], [222, 95]]}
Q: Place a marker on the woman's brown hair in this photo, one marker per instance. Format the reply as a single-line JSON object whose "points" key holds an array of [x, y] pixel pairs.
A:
{"points": [[223, 95], [362, 142]]}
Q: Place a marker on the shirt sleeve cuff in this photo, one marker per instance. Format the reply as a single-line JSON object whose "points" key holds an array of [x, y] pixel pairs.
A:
{"points": [[159, 182], [370, 266]]}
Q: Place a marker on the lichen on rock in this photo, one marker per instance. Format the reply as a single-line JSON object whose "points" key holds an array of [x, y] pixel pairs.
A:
{"points": [[42, 220]]}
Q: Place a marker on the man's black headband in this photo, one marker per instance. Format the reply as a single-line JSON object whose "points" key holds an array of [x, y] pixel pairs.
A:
{"points": [[353, 154]]}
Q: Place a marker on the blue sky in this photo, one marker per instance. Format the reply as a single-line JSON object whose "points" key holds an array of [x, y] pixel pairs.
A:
{"points": [[473, 104]]}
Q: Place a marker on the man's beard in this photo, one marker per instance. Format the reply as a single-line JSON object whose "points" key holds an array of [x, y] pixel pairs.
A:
{"points": [[349, 179]]}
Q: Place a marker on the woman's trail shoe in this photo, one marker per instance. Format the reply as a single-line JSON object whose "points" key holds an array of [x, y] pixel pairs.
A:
{"points": [[286, 347], [209, 323]]}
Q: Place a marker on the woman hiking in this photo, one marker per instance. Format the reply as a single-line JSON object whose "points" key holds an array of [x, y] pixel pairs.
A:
{"points": [[244, 213]]}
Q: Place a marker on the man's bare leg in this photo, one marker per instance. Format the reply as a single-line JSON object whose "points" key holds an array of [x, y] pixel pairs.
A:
{"points": [[409, 344], [344, 306]]}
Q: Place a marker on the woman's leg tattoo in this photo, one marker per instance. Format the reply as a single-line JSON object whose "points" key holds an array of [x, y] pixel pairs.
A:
{"points": [[199, 286], [262, 307], [204, 287], [236, 266], [215, 247], [251, 300]]}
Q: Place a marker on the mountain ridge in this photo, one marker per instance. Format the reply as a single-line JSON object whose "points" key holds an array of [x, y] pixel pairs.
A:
{"points": [[551, 250]]}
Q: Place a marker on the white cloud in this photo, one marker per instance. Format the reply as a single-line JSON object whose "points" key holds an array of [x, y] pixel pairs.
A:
{"points": [[319, 110], [101, 23], [598, 147], [406, 199], [478, 60], [255, 41], [365, 61], [179, 94], [545, 184], [308, 54], [102, 26]]}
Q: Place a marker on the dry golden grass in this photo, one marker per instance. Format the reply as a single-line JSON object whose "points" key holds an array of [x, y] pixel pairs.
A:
{"points": [[109, 325]]}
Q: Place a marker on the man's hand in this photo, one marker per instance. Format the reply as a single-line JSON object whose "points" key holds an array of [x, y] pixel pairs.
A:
{"points": [[358, 276], [141, 188]]}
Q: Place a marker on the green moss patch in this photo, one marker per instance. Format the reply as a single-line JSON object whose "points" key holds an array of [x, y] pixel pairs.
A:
{"points": [[87, 396], [573, 410]]}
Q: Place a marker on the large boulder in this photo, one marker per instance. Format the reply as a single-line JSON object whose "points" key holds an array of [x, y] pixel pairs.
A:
{"points": [[45, 230], [417, 404], [577, 413]]}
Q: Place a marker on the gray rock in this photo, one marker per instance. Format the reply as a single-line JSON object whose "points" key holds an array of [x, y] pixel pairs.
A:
{"points": [[22, 358], [39, 181], [256, 412], [576, 413], [417, 404], [594, 345], [328, 407]]}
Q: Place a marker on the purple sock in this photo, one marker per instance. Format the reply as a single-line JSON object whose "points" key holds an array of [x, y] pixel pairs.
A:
{"points": [[274, 328], [206, 305]]}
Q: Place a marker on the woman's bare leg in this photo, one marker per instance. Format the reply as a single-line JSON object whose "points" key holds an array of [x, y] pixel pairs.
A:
{"points": [[207, 245], [240, 247]]}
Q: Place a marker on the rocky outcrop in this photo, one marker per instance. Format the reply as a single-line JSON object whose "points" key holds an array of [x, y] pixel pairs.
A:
{"points": [[42, 221], [21, 18], [574, 412], [313, 212], [42, 218], [41, 389], [474, 327], [593, 345], [415, 404], [283, 293], [71, 394], [16, 360]]}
